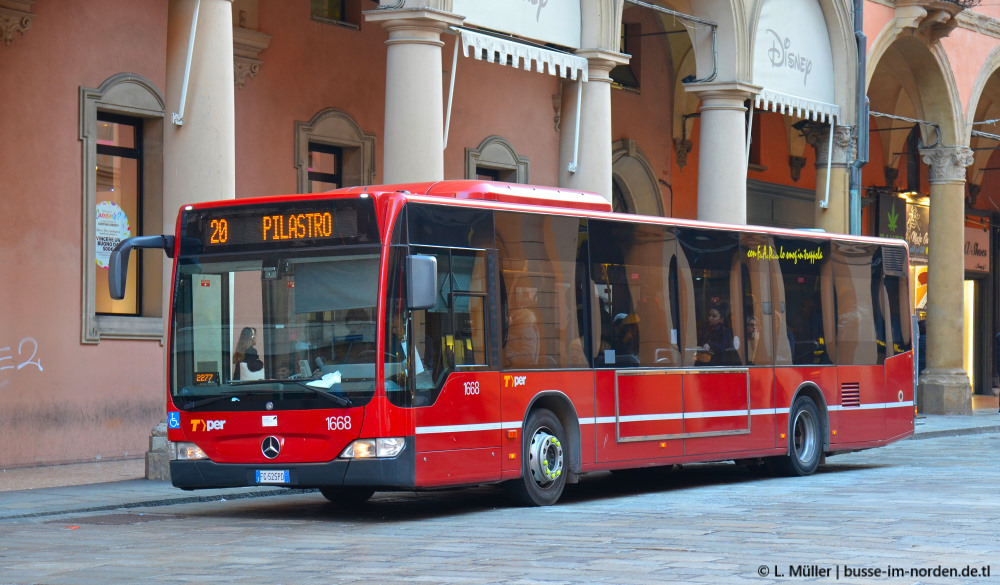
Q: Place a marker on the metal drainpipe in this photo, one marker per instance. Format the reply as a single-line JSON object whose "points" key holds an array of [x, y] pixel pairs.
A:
{"points": [[178, 117], [861, 159]]}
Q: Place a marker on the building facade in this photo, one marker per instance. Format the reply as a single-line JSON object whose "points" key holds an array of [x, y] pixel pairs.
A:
{"points": [[117, 112]]}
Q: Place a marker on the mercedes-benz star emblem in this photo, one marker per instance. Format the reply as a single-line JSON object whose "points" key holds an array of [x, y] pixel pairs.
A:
{"points": [[270, 447]]}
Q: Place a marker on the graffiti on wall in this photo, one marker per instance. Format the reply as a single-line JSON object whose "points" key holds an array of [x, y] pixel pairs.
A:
{"points": [[26, 355]]}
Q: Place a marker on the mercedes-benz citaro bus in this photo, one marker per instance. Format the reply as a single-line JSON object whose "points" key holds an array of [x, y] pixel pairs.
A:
{"points": [[458, 333]]}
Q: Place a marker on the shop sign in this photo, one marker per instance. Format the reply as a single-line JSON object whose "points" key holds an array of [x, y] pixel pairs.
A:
{"points": [[905, 221], [549, 21], [977, 249]]}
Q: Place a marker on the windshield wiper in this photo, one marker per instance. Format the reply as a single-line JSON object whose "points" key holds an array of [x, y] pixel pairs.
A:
{"points": [[333, 397], [235, 396], [206, 401]]}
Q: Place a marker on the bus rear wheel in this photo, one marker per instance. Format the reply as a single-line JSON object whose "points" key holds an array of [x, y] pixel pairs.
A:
{"points": [[346, 496], [805, 440], [543, 461]]}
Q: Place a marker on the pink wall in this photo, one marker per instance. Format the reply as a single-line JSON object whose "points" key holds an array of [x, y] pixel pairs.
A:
{"points": [[646, 116], [497, 100], [73, 401], [309, 66]]}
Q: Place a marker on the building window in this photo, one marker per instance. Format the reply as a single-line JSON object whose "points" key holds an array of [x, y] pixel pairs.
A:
{"points": [[496, 160], [121, 130], [627, 76], [325, 167], [119, 206], [347, 13], [332, 151]]}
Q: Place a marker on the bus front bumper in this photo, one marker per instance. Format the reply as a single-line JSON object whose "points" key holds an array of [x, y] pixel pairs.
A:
{"points": [[396, 473]]}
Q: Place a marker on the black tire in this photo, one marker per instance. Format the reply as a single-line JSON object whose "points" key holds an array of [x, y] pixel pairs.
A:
{"points": [[805, 440], [544, 457], [346, 496]]}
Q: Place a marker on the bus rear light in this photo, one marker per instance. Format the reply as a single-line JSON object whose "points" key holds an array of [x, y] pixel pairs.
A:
{"points": [[185, 451], [368, 448]]}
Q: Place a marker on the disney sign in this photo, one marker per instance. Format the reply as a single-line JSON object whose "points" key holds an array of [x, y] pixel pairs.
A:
{"points": [[781, 55]]}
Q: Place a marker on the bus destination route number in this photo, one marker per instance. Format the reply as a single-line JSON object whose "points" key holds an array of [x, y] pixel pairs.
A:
{"points": [[297, 226]]}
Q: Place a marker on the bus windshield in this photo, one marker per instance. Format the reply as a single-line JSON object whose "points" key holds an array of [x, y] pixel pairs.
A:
{"points": [[293, 328]]}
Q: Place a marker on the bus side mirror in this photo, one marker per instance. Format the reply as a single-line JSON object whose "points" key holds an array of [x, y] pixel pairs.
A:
{"points": [[421, 282], [118, 262]]}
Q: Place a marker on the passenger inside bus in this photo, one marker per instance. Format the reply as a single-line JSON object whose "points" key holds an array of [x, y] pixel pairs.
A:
{"points": [[247, 365], [717, 338], [626, 339]]}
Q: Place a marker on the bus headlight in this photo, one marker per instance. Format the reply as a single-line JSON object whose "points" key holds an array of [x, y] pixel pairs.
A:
{"points": [[367, 448], [185, 451]]}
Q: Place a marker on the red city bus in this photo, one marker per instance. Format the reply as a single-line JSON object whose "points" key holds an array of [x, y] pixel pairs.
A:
{"points": [[455, 333]]}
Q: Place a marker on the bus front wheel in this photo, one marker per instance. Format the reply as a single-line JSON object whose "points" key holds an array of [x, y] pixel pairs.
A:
{"points": [[805, 440], [543, 461]]}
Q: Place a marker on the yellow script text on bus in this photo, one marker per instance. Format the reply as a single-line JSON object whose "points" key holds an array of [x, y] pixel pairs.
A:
{"points": [[764, 252]]}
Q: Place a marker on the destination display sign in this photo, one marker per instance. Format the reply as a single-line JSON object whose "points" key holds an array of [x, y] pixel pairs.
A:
{"points": [[288, 224]]}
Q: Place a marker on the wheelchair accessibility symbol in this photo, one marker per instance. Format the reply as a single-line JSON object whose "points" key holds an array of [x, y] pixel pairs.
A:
{"points": [[174, 420]]}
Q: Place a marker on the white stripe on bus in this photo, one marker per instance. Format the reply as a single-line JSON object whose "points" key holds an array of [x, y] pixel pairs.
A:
{"points": [[652, 417]]}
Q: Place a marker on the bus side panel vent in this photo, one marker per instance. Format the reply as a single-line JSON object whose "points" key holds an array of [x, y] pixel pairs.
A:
{"points": [[894, 261], [850, 395]]}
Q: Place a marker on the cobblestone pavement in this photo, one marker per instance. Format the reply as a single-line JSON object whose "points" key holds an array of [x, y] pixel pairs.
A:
{"points": [[928, 507]]}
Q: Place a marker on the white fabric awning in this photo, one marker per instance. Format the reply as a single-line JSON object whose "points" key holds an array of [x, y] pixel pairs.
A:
{"points": [[521, 55], [800, 107]]}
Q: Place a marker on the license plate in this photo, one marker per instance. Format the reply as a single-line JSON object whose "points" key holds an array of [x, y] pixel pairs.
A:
{"points": [[272, 476]]}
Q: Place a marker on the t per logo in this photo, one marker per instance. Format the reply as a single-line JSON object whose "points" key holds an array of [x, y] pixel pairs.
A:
{"points": [[207, 425]]}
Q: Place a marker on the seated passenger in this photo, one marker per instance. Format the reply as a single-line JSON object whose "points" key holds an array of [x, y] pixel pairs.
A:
{"points": [[717, 338]]}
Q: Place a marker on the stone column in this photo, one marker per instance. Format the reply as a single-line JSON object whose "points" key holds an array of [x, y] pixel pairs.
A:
{"points": [[944, 386], [413, 139], [722, 161], [593, 165], [199, 153], [836, 216]]}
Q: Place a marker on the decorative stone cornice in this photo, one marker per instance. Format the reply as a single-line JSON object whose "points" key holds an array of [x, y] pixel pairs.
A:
{"points": [[979, 23], [818, 136], [931, 20], [947, 163], [15, 17], [600, 62], [247, 45]]}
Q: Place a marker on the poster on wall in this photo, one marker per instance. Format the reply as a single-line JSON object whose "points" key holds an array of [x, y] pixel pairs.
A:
{"points": [[112, 227], [920, 288], [977, 249]]}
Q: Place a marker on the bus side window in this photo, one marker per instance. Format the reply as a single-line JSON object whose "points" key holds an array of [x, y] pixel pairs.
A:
{"points": [[758, 332], [712, 281], [633, 270], [538, 257], [807, 291], [857, 337]]}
